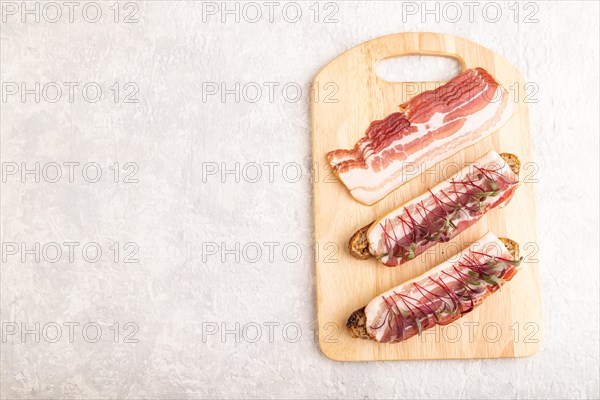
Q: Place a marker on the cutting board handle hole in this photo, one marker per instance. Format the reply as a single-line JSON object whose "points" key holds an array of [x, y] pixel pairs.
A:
{"points": [[421, 68]]}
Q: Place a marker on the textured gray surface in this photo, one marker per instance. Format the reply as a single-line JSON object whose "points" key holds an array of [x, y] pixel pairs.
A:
{"points": [[179, 293]]}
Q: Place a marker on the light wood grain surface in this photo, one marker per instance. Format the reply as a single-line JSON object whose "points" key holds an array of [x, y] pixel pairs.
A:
{"points": [[508, 324]]}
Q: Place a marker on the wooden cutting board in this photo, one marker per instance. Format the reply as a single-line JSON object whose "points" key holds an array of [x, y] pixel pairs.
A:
{"points": [[508, 324]]}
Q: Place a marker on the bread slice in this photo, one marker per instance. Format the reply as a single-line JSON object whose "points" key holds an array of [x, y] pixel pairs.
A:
{"points": [[357, 323], [359, 243], [513, 162], [511, 246]]}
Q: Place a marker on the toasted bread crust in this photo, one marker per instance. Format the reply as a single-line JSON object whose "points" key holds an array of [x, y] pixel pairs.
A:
{"points": [[359, 244], [357, 324], [511, 246], [513, 162]]}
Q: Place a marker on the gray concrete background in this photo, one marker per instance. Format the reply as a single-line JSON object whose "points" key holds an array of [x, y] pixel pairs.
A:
{"points": [[204, 287]]}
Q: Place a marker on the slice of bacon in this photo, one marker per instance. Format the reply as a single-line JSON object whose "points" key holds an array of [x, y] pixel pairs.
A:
{"points": [[443, 212], [443, 294], [429, 128]]}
